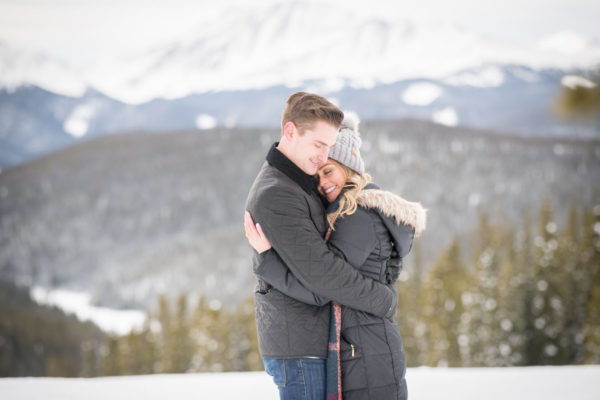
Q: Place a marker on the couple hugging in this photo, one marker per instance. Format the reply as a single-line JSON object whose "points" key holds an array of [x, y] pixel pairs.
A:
{"points": [[328, 249]]}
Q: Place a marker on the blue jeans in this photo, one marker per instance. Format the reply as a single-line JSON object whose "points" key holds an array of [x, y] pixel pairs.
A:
{"points": [[298, 378]]}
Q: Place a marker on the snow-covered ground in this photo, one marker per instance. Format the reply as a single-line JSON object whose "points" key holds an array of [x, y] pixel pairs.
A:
{"points": [[529, 383]]}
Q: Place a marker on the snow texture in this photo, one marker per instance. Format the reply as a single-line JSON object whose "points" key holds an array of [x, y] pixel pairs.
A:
{"points": [[526, 383], [205, 121], [446, 116], [78, 303], [299, 43], [20, 67], [486, 77], [421, 94], [78, 122], [573, 81]]}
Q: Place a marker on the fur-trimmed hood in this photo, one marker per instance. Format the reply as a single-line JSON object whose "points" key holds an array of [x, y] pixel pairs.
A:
{"points": [[394, 207]]}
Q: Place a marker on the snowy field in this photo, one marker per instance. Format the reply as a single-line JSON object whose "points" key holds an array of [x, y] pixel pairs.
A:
{"points": [[530, 383]]}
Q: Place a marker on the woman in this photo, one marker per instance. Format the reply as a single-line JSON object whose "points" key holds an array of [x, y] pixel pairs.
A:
{"points": [[366, 226]]}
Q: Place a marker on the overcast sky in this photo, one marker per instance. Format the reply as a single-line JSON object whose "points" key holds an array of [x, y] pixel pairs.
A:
{"points": [[82, 30]]}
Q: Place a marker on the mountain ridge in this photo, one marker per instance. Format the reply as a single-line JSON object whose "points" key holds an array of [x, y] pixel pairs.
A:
{"points": [[290, 43]]}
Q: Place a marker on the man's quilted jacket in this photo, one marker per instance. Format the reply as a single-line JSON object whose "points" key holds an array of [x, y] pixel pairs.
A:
{"points": [[283, 199]]}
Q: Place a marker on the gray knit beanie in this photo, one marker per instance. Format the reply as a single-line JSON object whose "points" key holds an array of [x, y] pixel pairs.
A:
{"points": [[346, 149]]}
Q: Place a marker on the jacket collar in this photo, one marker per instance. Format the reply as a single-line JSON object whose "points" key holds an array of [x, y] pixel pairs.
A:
{"points": [[389, 205], [276, 159], [394, 207]]}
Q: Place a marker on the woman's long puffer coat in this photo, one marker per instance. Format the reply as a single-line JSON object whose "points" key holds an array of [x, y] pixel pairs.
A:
{"points": [[372, 358]]}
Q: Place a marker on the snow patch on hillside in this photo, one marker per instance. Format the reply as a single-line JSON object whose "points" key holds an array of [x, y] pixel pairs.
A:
{"points": [[446, 116], [573, 81], [205, 121], [421, 94], [78, 303], [78, 122], [486, 77]]}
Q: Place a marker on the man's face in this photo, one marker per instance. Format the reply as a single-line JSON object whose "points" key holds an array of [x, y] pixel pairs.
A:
{"points": [[310, 150]]}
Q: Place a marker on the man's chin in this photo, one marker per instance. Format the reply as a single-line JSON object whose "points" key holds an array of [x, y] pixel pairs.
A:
{"points": [[311, 169]]}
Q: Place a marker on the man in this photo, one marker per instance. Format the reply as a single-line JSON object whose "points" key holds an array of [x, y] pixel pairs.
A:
{"points": [[293, 336]]}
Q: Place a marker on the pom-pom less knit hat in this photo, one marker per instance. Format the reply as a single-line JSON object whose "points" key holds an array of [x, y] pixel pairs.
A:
{"points": [[346, 149]]}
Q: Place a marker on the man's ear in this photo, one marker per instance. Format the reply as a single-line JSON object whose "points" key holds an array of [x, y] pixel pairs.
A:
{"points": [[289, 130]]}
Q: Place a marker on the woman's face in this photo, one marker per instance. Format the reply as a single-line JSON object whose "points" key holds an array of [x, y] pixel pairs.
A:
{"points": [[331, 179]]}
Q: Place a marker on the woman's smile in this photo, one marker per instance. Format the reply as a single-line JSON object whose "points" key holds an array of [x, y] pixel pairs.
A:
{"points": [[332, 188], [331, 180]]}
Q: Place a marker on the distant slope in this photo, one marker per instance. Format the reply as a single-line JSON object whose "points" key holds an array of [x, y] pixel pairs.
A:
{"points": [[521, 100], [131, 215], [37, 340]]}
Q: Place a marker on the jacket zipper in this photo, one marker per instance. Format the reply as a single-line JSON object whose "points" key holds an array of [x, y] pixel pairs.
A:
{"points": [[352, 346]]}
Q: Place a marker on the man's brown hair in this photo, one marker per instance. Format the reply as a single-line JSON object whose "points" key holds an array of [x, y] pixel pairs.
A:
{"points": [[304, 109]]}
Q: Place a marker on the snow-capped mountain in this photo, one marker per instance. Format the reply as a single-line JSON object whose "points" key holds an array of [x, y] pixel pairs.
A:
{"points": [[217, 74], [503, 98], [22, 67], [289, 43]]}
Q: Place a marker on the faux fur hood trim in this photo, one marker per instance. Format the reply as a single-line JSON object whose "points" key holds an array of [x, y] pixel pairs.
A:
{"points": [[394, 206]]}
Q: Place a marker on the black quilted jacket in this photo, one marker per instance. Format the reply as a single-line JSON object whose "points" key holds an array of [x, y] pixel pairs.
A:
{"points": [[372, 357], [284, 201]]}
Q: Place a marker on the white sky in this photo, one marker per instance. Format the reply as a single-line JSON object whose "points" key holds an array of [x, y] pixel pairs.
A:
{"points": [[81, 31]]}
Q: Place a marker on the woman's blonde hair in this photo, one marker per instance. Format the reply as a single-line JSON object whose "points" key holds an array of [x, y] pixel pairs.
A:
{"points": [[355, 182]]}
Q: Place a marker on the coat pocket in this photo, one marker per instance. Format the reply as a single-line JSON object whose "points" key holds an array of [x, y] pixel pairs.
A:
{"points": [[348, 350], [354, 373]]}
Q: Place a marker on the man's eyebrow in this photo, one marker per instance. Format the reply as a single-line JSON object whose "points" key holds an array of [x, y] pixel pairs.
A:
{"points": [[320, 142]]}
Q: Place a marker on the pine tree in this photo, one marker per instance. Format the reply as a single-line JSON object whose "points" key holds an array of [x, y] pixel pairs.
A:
{"points": [[549, 301], [580, 101], [210, 344], [179, 338], [486, 338], [138, 353], [243, 339], [90, 349], [519, 325], [445, 293], [591, 262], [576, 288], [165, 342], [508, 323], [112, 357], [409, 315]]}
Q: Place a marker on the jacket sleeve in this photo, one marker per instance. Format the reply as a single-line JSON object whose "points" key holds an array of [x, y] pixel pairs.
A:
{"points": [[285, 218], [271, 269], [354, 237], [404, 245]]}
